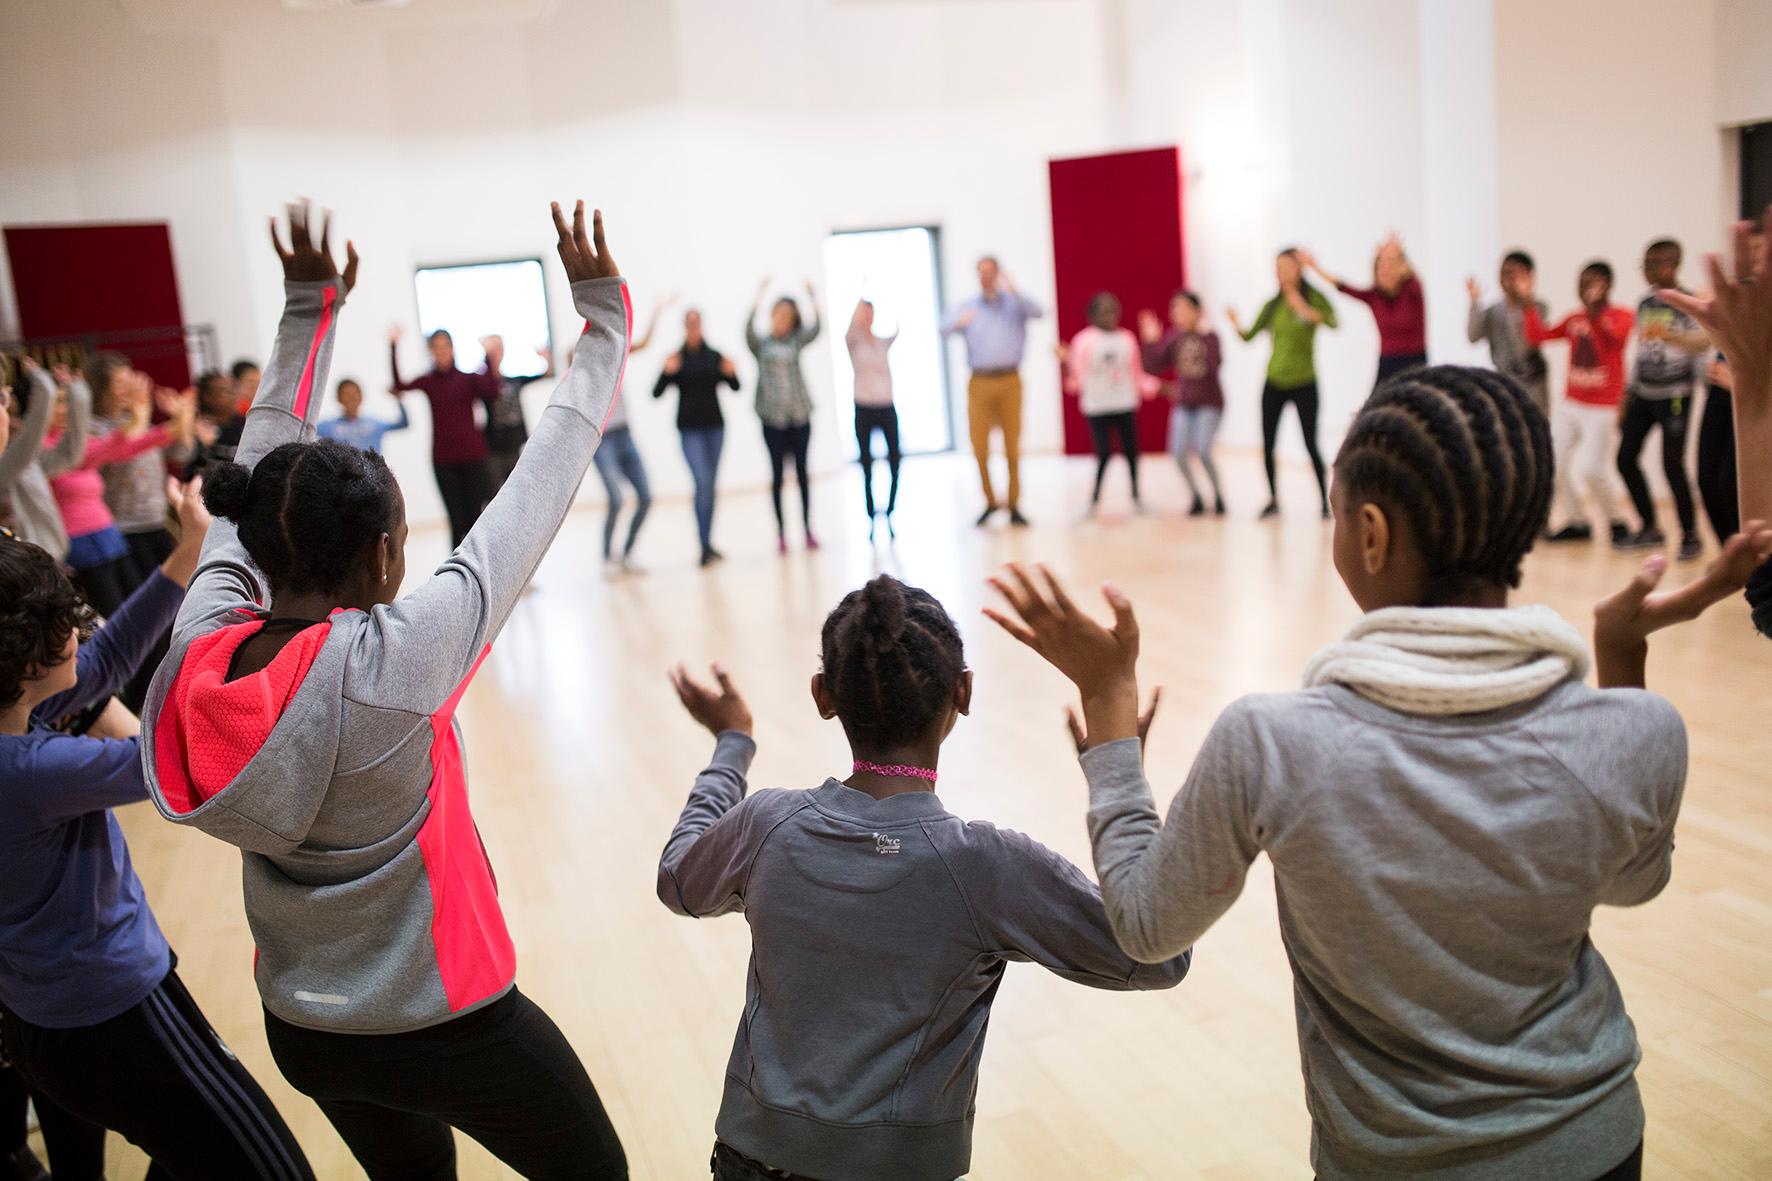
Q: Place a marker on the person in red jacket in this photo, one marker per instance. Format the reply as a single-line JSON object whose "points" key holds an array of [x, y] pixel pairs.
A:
{"points": [[1585, 424]]}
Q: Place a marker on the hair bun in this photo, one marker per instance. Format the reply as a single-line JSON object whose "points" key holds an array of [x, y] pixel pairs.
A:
{"points": [[225, 490]]}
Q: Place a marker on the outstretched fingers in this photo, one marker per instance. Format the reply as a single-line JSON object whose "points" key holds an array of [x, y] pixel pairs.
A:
{"points": [[350, 275], [1013, 626], [1125, 622], [283, 252]]}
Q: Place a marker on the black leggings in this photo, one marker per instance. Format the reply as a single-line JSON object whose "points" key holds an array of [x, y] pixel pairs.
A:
{"points": [[505, 1075], [1716, 464], [884, 419], [1672, 415], [785, 443], [1273, 404], [1103, 428], [160, 1076], [466, 489]]}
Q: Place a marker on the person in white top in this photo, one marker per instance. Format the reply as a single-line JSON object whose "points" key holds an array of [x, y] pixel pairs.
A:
{"points": [[1104, 368], [873, 407]]}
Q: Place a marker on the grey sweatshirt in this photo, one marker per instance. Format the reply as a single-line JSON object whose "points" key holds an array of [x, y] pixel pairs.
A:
{"points": [[338, 770], [25, 467], [1499, 324], [879, 934], [1436, 881]]}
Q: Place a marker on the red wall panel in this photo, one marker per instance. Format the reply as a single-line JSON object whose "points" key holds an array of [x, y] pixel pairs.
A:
{"points": [[1116, 226], [112, 283]]}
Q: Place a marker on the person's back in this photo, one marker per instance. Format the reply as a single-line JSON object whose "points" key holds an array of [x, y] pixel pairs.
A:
{"points": [[1437, 878], [880, 923]]}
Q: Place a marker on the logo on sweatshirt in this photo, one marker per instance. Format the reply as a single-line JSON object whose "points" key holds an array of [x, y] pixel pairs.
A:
{"points": [[884, 844]]}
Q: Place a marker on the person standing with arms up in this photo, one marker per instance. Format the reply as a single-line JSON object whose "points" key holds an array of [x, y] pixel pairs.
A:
{"points": [[1398, 307], [698, 371], [618, 462], [1499, 324], [1191, 349], [1292, 316], [1583, 427], [873, 407], [994, 325], [506, 429], [783, 401], [1661, 393], [458, 449]]}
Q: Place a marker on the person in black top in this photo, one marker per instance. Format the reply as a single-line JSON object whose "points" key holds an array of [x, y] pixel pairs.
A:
{"points": [[698, 372], [505, 429]]}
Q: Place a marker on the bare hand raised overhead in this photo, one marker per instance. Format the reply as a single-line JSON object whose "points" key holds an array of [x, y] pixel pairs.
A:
{"points": [[305, 262], [584, 258]]}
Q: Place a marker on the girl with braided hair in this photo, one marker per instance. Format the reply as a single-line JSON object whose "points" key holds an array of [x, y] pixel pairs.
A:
{"points": [[1445, 804], [880, 922]]}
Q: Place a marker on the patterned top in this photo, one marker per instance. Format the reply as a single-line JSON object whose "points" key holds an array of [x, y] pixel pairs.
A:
{"points": [[782, 397]]}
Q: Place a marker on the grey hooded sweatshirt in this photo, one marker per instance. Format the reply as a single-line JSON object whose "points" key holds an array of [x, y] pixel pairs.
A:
{"points": [[338, 769], [879, 934]]}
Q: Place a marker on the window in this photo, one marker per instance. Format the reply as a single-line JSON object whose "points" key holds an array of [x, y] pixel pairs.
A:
{"points": [[508, 299], [898, 271]]}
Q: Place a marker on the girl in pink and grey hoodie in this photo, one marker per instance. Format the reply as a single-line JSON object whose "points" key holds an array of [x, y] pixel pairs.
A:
{"points": [[306, 714]]}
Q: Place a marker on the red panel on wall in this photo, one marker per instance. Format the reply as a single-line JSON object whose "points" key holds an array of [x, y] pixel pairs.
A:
{"points": [[1116, 226], [112, 283]]}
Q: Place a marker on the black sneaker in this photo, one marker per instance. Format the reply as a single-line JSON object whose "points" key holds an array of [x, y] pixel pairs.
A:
{"points": [[1016, 519], [1272, 510], [1649, 538], [1691, 548], [1620, 532], [1574, 531], [1326, 513], [710, 556], [1218, 508], [984, 518], [1198, 509]]}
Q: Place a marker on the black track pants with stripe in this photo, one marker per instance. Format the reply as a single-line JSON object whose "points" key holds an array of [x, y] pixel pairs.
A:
{"points": [[160, 1076]]}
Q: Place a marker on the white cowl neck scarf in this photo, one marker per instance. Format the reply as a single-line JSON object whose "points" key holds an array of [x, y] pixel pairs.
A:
{"points": [[1441, 661]]}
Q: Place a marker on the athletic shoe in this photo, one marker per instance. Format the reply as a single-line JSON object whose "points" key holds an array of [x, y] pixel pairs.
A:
{"points": [[1272, 510], [1218, 509], [891, 530], [1198, 508], [710, 556], [811, 541], [1649, 538], [1574, 531], [1620, 531], [984, 518], [1016, 519], [873, 524], [1690, 547], [629, 566], [781, 545], [1326, 513]]}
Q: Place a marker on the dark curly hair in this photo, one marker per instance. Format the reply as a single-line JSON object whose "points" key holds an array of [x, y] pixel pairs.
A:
{"points": [[892, 657], [41, 609], [1464, 457], [308, 512]]}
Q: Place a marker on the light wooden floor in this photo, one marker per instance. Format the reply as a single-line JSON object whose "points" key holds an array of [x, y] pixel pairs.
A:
{"points": [[581, 758]]}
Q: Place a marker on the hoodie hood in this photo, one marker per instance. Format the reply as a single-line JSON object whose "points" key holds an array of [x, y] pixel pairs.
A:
{"points": [[226, 754]]}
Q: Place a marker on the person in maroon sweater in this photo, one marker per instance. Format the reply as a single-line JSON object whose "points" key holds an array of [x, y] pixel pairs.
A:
{"points": [[458, 446], [1398, 308]]}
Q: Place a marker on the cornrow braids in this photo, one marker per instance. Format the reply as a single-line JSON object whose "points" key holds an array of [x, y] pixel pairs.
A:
{"points": [[892, 657], [308, 512], [1464, 457]]}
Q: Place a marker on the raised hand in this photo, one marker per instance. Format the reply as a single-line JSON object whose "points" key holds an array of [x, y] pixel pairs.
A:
{"points": [[1476, 291], [717, 709], [1737, 315], [727, 368], [584, 258], [306, 262], [1098, 660], [193, 526], [674, 364], [181, 412], [64, 376], [395, 332], [1624, 621], [1080, 736], [1150, 329]]}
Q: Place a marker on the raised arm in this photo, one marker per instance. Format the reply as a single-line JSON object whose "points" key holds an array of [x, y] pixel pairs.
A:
{"points": [[708, 856], [65, 456], [430, 639], [1476, 328], [1532, 325], [27, 439], [1612, 326], [284, 410], [809, 333]]}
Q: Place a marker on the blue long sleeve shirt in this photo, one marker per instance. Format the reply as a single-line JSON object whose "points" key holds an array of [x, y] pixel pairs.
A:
{"points": [[78, 944]]}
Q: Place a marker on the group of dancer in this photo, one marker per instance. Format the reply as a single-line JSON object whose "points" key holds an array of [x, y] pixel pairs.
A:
{"points": [[1462, 1026]]}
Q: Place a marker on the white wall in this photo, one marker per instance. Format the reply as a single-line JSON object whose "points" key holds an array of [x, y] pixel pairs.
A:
{"points": [[725, 141]]}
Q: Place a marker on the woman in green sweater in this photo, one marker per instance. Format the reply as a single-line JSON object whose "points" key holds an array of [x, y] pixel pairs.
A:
{"points": [[1292, 315]]}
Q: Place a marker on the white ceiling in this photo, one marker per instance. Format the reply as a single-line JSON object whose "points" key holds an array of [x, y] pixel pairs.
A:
{"points": [[224, 15]]}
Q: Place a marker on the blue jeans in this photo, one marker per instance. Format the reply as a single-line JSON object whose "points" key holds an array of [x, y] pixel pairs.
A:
{"points": [[618, 459], [701, 447]]}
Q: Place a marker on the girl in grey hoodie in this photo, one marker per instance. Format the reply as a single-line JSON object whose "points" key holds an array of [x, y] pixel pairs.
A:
{"points": [[306, 714]]}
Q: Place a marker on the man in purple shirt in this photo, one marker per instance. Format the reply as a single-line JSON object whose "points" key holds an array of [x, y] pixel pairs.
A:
{"points": [[994, 326]]}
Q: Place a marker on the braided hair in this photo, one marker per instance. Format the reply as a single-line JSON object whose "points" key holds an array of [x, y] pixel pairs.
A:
{"points": [[308, 512], [1464, 457], [892, 657]]}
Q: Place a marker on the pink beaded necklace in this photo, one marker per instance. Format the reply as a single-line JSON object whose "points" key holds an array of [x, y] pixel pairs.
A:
{"points": [[894, 770]]}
